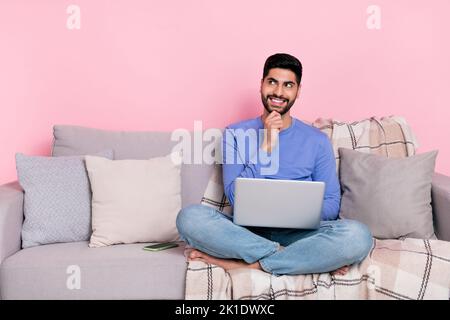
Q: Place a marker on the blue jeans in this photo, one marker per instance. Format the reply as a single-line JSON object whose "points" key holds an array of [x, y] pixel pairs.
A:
{"points": [[335, 244]]}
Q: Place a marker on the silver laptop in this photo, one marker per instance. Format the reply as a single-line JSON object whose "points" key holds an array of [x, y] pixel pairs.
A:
{"points": [[278, 203]]}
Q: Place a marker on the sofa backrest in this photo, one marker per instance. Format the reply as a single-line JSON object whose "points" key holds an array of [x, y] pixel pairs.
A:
{"points": [[76, 140], [389, 136]]}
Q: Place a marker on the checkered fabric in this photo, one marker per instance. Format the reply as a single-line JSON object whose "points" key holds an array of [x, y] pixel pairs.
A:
{"points": [[395, 269]]}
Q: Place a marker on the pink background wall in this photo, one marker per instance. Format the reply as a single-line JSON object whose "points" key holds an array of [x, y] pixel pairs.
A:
{"points": [[160, 65]]}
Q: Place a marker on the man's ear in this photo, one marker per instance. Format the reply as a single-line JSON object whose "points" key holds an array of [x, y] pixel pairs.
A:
{"points": [[298, 91], [260, 87]]}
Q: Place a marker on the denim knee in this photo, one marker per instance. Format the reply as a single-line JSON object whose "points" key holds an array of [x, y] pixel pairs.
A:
{"points": [[190, 218], [359, 239]]}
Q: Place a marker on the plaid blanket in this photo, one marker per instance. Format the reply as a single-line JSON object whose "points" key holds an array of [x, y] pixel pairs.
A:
{"points": [[398, 269], [388, 136], [407, 269]]}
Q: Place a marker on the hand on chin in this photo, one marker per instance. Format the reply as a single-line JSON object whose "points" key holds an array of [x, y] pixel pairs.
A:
{"points": [[277, 109]]}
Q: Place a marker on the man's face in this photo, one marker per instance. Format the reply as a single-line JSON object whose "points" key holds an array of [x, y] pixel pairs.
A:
{"points": [[279, 89]]}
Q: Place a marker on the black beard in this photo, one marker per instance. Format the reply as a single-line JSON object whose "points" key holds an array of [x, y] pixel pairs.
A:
{"points": [[282, 112]]}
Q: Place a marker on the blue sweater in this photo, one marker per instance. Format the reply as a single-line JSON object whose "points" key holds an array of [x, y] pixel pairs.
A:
{"points": [[303, 153]]}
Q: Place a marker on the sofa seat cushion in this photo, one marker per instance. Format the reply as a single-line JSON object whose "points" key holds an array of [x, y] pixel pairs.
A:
{"points": [[114, 272]]}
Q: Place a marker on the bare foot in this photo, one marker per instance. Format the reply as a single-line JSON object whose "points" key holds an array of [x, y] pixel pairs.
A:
{"points": [[227, 264], [341, 271]]}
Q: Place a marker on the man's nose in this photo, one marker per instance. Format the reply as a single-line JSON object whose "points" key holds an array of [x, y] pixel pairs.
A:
{"points": [[279, 91]]}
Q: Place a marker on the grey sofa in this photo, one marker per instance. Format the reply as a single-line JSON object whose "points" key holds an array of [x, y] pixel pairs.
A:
{"points": [[120, 271]]}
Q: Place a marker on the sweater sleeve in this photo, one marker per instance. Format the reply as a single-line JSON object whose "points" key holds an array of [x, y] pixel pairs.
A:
{"points": [[235, 163], [325, 170]]}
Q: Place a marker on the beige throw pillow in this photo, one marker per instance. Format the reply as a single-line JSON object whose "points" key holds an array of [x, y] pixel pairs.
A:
{"points": [[134, 200]]}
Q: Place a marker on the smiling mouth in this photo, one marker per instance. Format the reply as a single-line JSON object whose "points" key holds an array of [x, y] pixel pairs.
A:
{"points": [[277, 102]]}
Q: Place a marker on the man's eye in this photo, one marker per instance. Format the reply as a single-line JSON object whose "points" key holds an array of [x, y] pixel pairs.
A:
{"points": [[289, 85], [271, 82]]}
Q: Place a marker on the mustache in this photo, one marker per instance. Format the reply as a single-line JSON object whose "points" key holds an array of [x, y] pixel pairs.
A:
{"points": [[276, 97]]}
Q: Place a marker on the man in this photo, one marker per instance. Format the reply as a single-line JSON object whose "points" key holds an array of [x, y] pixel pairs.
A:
{"points": [[302, 153]]}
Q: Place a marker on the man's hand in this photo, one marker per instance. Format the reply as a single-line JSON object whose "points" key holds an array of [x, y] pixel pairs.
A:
{"points": [[272, 126]]}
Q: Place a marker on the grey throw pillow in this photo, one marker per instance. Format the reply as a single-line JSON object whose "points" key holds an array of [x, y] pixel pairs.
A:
{"points": [[57, 200], [392, 196]]}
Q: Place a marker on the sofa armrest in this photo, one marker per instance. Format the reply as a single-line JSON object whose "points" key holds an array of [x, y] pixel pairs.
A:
{"points": [[11, 219], [440, 193]]}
